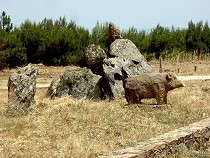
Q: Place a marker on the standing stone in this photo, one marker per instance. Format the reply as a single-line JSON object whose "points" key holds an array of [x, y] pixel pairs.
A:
{"points": [[21, 90], [76, 82], [114, 33]]}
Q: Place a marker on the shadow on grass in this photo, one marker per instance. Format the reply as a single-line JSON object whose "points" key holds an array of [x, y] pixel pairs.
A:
{"points": [[146, 105]]}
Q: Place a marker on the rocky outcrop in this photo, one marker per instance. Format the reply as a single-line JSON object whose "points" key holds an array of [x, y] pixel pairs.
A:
{"points": [[112, 68], [21, 90], [76, 82], [93, 58], [125, 48], [125, 56], [114, 33], [122, 55]]}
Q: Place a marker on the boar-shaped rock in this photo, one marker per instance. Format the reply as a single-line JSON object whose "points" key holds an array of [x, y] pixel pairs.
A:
{"points": [[150, 85]]}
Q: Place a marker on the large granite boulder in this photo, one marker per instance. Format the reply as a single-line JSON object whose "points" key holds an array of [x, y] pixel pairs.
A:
{"points": [[125, 48], [93, 58], [114, 33], [113, 68], [21, 90], [76, 82]]}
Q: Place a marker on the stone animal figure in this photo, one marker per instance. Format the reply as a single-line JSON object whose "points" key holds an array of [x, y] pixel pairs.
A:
{"points": [[150, 85]]}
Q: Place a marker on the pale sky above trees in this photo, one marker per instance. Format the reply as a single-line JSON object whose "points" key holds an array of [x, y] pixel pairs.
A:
{"points": [[141, 14]]}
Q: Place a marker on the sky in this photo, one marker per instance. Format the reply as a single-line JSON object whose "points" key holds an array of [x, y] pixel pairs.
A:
{"points": [[141, 14]]}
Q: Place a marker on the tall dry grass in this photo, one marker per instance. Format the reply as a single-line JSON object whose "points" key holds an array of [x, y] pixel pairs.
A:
{"points": [[68, 127], [183, 66]]}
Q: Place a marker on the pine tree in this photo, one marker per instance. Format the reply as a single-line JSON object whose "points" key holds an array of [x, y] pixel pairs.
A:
{"points": [[5, 22]]}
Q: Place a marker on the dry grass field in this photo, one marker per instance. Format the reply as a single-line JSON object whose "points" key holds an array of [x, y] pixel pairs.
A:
{"points": [[69, 127]]}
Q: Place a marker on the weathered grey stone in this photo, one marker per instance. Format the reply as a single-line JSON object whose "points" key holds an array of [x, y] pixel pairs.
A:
{"points": [[52, 89], [21, 90], [126, 49], [93, 58], [112, 69], [77, 82]]}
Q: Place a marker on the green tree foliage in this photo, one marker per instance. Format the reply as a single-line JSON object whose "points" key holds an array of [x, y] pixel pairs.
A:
{"points": [[16, 53], [197, 37], [63, 43], [100, 35], [177, 40], [3, 58], [206, 37], [54, 43], [5, 22], [159, 39], [31, 37], [12, 52]]}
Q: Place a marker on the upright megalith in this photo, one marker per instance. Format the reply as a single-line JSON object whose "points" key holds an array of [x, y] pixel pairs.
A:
{"points": [[114, 33], [21, 90]]}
